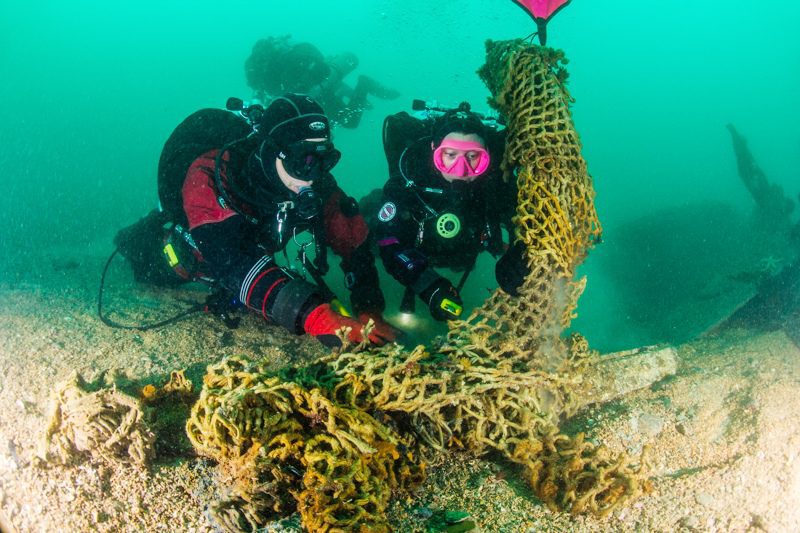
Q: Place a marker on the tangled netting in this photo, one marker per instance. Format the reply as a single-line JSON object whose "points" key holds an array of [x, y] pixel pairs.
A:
{"points": [[334, 439], [283, 447], [105, 424], [555, 218]]}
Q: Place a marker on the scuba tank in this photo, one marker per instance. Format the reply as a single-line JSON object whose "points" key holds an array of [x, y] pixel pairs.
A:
{"points": [[200, 132]]}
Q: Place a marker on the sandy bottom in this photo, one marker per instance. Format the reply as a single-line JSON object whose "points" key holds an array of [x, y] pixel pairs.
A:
{"points": [[724, 432]]}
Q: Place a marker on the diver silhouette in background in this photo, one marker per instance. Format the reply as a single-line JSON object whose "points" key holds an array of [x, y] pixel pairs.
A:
{"points": [[277, 65]]}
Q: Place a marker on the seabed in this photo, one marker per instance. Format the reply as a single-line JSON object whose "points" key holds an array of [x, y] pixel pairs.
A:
{"points": [[723, 432]]}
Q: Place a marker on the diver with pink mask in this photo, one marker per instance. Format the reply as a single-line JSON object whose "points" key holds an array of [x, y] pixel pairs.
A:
{"points": [[461, 157], [444, 203]]}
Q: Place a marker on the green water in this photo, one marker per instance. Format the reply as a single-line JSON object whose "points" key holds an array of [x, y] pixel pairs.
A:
{"points": [[91, 90]]}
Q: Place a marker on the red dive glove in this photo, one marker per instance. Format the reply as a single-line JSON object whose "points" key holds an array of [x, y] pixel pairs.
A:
{"points": [[322, 322], [383, 332]]}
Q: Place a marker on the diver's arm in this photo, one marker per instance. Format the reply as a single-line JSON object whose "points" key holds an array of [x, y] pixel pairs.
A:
{"points": [[409, 266], [264, 287], [240, 266], [396, 233], [233, 256], [348, 236]]}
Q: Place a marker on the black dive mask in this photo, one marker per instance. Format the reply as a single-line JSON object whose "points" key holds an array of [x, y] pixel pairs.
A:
{"points": [[309, 160]]}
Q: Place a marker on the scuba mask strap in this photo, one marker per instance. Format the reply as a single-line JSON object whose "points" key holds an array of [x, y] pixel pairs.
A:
{"points": [[268, 142]]}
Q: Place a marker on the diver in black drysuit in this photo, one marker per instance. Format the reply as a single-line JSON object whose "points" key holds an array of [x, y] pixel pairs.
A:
{"points": [[426, 220], [277, 65]]}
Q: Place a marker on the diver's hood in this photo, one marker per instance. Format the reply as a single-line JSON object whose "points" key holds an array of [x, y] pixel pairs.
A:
{"points": [[258, 184]]}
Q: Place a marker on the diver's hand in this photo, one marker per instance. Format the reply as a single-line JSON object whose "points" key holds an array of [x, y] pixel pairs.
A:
{"points": [[512, 268], [323, 322]]}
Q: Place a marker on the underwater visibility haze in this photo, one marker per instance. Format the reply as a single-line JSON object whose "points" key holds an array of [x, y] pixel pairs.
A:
{"points": [[90, 95], [688, 120]]}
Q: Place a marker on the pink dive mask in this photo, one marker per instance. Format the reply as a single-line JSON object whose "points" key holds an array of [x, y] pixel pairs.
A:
{"points": [[461, 167]]}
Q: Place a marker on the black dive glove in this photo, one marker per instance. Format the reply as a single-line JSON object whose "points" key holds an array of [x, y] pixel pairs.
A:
{"points": [[443, 300], [512, 268]]}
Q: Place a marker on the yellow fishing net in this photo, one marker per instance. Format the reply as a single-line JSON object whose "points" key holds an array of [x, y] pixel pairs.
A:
{"points": [[283, 447], [334, 440], [555, 218]]}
